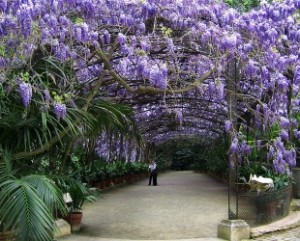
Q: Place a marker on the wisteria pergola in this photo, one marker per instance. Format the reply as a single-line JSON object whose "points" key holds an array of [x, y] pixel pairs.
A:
{"points": [[186, 67]]}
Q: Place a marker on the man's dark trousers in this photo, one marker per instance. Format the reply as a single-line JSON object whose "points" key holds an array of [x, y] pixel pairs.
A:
{"points": [[153, 176]]}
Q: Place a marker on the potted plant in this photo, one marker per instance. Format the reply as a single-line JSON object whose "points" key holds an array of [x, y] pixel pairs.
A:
{"points": [[79, 194], [100, 182]]}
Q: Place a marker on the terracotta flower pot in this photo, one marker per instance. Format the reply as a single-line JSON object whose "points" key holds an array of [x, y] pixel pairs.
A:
{"points": [[100, 184], [74, 219]]}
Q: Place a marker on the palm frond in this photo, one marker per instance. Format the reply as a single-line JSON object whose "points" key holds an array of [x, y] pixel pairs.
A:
{"points": [[6, 168], [116, 117], [23, 211], [48, 191], [66, 183], [27, 134]]}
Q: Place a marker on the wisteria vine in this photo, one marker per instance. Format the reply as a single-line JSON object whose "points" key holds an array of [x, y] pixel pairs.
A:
{"points": [[167, 59]]}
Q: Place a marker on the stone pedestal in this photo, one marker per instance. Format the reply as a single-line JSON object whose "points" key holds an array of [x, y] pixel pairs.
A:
{"points": [[64, 228], [234, 230]]}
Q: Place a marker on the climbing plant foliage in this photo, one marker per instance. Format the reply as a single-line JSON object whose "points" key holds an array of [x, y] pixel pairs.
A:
{"points": [[199, 65]]}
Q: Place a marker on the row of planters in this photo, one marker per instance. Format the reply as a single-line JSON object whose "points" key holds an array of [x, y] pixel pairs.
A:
{"points": [[119, 172], [99, 171]]}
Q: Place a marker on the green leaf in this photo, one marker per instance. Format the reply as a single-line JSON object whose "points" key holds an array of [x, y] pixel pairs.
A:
{"points": [[2, 51], [23, 211], [44, 120], [48, 191]]}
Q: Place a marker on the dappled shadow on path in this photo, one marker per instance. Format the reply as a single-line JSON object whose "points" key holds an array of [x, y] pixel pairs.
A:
{"points": [[183, 205]]}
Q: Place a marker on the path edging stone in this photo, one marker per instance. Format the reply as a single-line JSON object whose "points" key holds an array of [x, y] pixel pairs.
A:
{"points": [[289, 222]]}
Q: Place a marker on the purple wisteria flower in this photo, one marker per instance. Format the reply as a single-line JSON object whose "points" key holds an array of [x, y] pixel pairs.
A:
{"points": [[267, 113], [270, 153], [52, 22], [3, 5], [145, 44], [159, 76], [24, 19], [284, 135], [279, 164], [142, 67], [206, 37], [297, 70], [3, 62], [81, 32], [284, 122], [47, 95], [211, 88], [230, 15], [126, 50], [228, 126], [281, 156], [25, 90], [258, 144], [290, 156], [141, 27], [121, 38], [60, 110], [297, 134], [283, 83], [245, 148], [64, 21], [84, 32], [279, 144], [294, 122], [248, 47], [87, 8], [234, 147], [220, 90], [272, 35], [252, 69], [229, 42], [134, 41], [107, 37]]}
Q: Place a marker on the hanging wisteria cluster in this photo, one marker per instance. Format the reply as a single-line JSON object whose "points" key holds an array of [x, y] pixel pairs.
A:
{"points": [[200, 62]]}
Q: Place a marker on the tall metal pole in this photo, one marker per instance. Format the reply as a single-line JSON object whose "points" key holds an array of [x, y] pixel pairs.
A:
{"points": [[232, 79]]}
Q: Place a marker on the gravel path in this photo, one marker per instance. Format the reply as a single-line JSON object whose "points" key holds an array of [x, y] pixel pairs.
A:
{"points": [[184, 205]]}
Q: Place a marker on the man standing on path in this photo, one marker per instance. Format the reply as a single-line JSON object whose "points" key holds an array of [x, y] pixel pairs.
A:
{"points": [[153, 173]]}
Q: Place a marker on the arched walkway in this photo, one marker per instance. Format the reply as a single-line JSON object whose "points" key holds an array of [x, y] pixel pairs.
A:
{"points": [[184, 205]]}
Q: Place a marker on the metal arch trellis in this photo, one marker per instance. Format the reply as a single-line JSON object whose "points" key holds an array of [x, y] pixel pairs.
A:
{"points": [[194, 105]]}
